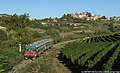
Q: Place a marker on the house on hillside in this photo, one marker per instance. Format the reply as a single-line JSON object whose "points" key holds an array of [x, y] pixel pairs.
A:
{"points": [[75, 24], [54, 20], [4, 28], [4, 15], [116, 25], [43, 23]]}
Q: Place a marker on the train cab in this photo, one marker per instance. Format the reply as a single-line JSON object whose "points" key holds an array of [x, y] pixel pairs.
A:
{"points": [[30, 53]]}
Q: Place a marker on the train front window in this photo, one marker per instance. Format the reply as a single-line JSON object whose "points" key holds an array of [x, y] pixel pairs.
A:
{"points": [[30, 50], [33, 50], [27, 49]]}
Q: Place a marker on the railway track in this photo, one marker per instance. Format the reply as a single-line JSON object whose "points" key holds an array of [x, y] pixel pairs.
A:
{"points": [[23, 65], [19, 66]]}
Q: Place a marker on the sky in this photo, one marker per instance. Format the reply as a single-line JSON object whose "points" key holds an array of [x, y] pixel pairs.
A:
{"points": [[56, 8]]}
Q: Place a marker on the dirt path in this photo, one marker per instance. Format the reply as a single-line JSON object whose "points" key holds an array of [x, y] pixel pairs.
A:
{"points": [[46, 63]]}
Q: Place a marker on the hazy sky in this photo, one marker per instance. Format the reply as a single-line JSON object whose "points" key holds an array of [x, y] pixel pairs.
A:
{"points": [[56, 8]]}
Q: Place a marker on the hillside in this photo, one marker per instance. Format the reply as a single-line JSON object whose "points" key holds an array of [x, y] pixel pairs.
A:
{"points": [[16, 29]]}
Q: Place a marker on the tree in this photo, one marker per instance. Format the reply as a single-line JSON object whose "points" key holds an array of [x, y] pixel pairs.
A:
{"points": [[103, 17], [18, 23], [111, 27], [89, 14]]}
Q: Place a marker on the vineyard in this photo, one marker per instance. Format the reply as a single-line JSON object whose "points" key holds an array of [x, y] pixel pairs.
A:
{"points": [[96, 53], [109, 38]]}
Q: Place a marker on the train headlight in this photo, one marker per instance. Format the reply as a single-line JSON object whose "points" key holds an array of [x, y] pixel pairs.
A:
{"points": [[35, 55]]}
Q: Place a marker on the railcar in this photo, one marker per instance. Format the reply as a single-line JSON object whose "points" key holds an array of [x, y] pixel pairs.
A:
{"points": [[33, 50]]}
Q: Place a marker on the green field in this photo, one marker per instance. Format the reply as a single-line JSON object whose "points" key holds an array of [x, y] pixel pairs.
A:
{"points": [[94, 53]]}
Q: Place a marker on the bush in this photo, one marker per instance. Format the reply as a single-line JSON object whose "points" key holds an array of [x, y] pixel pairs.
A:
{"points": [[4, 64], [3, 35]]}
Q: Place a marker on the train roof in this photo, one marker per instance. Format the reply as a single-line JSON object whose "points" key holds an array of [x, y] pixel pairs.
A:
{"points": [[38, 43]]}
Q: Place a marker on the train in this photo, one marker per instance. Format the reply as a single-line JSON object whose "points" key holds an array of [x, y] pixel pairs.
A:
{"points": [[32, 51]]}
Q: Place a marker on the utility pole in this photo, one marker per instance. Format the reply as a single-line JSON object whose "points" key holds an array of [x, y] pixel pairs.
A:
{"points": [[20, 48]]}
